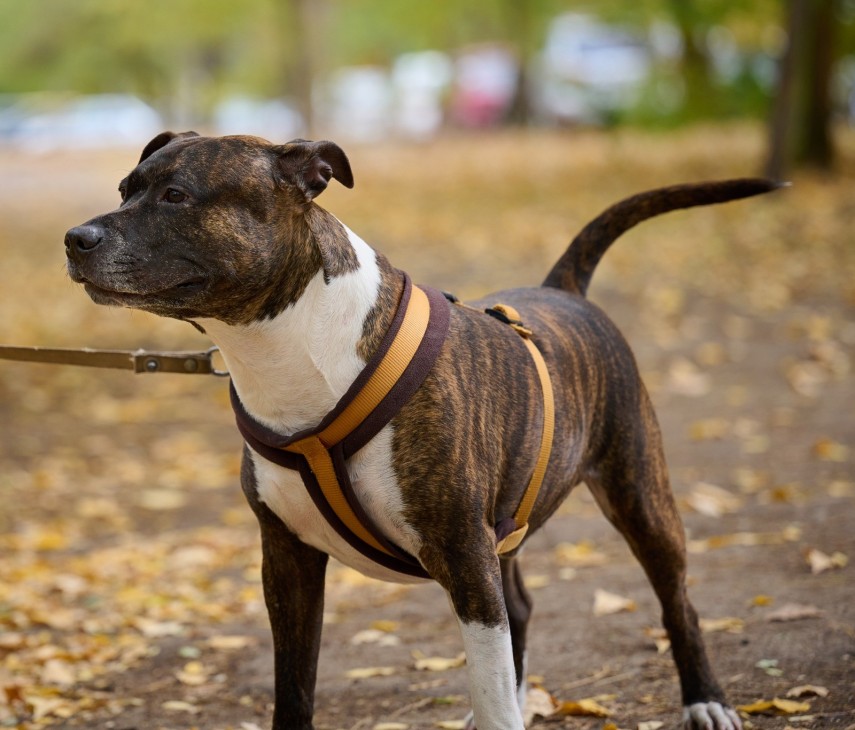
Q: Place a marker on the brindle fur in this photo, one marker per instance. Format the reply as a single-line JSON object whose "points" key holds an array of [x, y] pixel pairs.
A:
{"points": [[465, 445]]}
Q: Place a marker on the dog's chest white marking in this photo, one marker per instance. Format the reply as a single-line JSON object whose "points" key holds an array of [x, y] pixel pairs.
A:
{"points": [[373, 479], [289, 372]]}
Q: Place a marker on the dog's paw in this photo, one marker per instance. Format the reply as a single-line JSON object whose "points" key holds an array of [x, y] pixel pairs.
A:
{"points": [[710, 716]]}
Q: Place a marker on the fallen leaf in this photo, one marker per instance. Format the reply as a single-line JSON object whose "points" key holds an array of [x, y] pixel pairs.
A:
{"points": [[538, 703], [709, 429], [374, 636], [807, 690], [180, 706], [451, 725], [607, 603], [582, 708], [161, 500], [193, 674], [157, 629], [385, 625], [730, 624], [794, 612], [230, 643], [368, 672], [776, 706], [391, 726], [713, 501], [684, 378], [580, 554], [829, 450], [534, 582], [770, 666], [762, 600], [437, 663], [650, 725], [819, 562]]}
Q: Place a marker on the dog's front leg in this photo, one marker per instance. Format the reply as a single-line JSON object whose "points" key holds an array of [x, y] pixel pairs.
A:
{"points": [[292, 575], [471, 576]]}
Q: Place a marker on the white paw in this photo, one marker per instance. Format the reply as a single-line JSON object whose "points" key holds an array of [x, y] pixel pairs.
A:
{"points": [[710, 716]]}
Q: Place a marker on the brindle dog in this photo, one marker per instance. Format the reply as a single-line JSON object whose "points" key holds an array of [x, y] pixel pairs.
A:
{"points": [[225, 233]]}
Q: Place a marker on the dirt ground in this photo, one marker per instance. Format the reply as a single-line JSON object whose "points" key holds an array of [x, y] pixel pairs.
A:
{"points": [[129, 564]]}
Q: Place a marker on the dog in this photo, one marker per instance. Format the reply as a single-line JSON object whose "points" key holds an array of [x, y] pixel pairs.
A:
{"points": [[225, 234]]}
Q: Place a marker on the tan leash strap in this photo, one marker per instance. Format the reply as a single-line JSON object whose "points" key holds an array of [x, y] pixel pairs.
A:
{"points": [[140, 361], [513, 540], [316, 448]]}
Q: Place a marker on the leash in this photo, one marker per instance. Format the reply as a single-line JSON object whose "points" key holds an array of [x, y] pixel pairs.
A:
{"points": [[140, 361]]}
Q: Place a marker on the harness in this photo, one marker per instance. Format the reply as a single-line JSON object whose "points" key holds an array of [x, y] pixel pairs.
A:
{"points": [[395, 372]]}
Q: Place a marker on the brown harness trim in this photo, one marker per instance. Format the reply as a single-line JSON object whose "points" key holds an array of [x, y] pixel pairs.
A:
{"points": [[388, 381]]}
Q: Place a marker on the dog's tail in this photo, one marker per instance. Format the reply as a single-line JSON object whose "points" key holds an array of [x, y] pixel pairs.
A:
{"points": [[575, 268]]}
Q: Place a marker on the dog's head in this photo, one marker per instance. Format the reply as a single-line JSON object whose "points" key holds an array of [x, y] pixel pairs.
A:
{"points": [[209, 227]]}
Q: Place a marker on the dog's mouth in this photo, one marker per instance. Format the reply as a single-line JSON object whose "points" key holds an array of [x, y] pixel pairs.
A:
{"points": [[133, 297]]}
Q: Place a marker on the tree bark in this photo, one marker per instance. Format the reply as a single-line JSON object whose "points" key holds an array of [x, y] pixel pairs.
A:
{"points": [[800, 133]]}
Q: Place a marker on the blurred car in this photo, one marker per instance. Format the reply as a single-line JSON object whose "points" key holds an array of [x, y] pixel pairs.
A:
{"points": [[588, 71], [420, 81], [356, 103], [43, 123], [272, 119], [486, 82]]}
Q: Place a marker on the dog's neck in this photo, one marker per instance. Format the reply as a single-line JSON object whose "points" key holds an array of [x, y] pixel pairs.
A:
{"points": [[291, 370]]}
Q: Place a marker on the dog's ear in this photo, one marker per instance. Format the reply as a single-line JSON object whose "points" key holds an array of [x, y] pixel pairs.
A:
{"points": [[163, 139], [311, 165]]}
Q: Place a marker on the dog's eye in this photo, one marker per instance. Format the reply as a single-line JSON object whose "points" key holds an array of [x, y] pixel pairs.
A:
{"points": [[123, 191], [174, 196]]}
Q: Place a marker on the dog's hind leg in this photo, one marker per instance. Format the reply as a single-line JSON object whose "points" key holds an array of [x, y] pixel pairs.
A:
{"points": [[631, 486]]}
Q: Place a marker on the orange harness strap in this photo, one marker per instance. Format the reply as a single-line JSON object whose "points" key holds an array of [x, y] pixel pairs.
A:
{"points": [[512, 541], [315, 448]]}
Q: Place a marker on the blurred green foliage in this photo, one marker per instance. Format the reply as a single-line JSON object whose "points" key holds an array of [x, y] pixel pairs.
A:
{"points": [[160, 49]]}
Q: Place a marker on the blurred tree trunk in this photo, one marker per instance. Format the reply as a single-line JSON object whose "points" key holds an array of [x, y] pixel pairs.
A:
{"points": [[800, 127], [699, 100], [301, 30], [518, 14]]}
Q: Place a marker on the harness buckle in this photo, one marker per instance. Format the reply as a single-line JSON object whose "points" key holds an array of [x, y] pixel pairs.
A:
{"points": [[510, 316]]}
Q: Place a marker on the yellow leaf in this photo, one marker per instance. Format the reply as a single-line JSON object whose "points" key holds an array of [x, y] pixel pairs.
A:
{"points": [[229, 643], [586, 708], [579, 554], [829, 450], [391, 726], [438, 663], [819, 562], [179, 706], [451, 725], [606, 603], [533, 582], [776, 706], [728, 623], [386, 626], [368, 672], [762, 600]]}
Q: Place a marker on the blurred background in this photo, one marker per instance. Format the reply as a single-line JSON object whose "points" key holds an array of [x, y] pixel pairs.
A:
{"points": [[483, 134], [100, 72]]}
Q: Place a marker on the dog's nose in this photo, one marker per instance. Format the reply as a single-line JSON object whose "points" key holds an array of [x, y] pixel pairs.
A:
{"points": [[83, 239]]}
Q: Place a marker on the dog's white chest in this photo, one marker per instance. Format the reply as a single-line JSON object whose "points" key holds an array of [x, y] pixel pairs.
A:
{"points": [[373, 478]]}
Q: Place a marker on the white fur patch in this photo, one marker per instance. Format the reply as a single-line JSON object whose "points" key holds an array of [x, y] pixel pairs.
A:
{"points": [[289, 372], [492, 682]]}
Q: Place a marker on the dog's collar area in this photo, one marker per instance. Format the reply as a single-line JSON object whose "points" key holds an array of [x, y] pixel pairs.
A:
{"points": [[395, 372]]}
